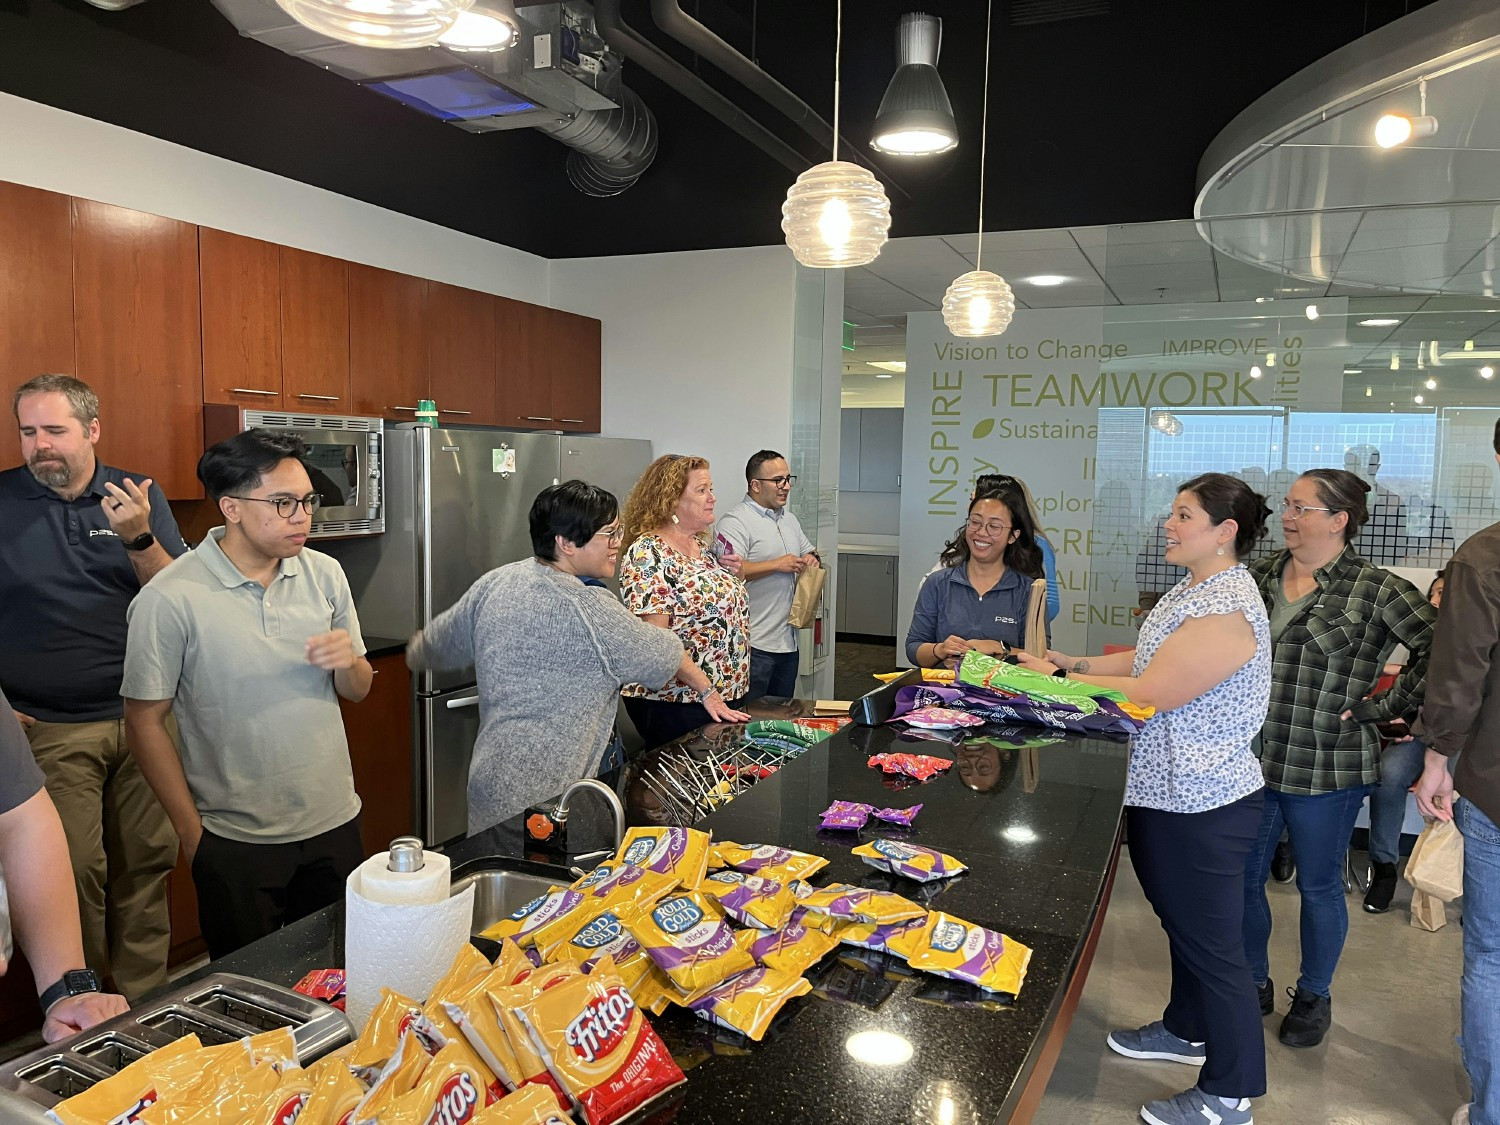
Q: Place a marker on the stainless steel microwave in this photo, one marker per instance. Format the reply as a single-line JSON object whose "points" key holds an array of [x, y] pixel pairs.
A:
{"points": [[344, 460]]}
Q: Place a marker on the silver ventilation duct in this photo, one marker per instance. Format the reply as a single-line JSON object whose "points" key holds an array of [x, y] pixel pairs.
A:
{"points": [[612, 148]]}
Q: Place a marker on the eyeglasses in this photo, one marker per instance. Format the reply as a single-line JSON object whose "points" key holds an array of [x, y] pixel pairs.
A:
{"points": [[779, 482], [613, 534], [1294, 511], [286, 506], [994, 527]]}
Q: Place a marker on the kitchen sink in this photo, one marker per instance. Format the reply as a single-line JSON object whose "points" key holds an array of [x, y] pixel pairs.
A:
{"points": [[503, 886]]}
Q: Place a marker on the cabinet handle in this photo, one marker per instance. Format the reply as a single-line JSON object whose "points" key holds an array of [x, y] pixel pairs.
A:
{"points": [[533, 418], [445, 410], [413, 409], [320, 398], [576, 421], [253, 391]]}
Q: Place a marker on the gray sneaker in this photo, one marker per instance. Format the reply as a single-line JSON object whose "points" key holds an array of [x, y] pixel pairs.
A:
{"points": [[1194, 1107], [1154, 1041]]}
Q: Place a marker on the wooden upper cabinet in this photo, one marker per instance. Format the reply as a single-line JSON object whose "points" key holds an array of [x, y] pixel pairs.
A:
{"points": [[36, 294], [523, 376], [240, 281], [314, 332], [575, 353], [461, 351], [388, 359], [138, 340]]}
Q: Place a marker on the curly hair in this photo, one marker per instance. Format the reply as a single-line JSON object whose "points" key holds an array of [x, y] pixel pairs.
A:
{"points": [[654, 498]]}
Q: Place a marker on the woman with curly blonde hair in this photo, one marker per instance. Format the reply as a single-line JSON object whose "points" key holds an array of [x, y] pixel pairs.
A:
{"points": [[669, 577]]}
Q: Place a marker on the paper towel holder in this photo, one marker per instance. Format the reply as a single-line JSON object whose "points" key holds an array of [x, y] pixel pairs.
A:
{"points": [[406, 854]]}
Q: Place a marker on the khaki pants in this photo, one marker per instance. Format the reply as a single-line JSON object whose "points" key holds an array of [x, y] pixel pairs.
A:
{"points": [[122, 847]]}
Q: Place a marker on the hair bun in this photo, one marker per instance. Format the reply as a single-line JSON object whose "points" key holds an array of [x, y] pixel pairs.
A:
{"points": [[1364, 485]]}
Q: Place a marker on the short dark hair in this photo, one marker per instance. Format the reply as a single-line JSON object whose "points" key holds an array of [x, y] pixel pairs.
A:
{"points": [[753, 465], [237, 464], [1225, 497], [1497, 435], [82, 400], [575, 509], [1342, 491]]}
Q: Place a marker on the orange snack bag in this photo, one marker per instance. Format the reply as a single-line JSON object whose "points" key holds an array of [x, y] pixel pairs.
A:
{"points": [[239, 1101], [530, 1105], [468, 963], [400, 1076], [453, 1088], [747, 1003], [598, 1045], [119, 1099], [334, 1095]]}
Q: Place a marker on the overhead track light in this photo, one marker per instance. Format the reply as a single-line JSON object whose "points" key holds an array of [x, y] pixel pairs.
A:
{"points": [[378, 23], [490, 25], [915, 117], [1394, 129]]}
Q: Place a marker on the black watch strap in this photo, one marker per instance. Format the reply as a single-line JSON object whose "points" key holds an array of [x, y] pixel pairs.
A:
{"points": [[74, 982], [140, 542], [1060, 673]]}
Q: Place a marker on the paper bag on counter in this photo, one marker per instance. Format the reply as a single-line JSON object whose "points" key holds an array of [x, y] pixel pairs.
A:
{"points": [[1437, 861], [1427, 912], [1036, 620], [805, 599]]}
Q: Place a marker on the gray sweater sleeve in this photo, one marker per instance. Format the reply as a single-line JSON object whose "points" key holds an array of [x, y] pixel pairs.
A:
{"points": [[448, 642], [633, 652]]}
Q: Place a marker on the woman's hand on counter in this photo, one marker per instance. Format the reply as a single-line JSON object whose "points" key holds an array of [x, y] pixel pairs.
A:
{"points": [[721, 712], [73, 1014], [1035, 663]]}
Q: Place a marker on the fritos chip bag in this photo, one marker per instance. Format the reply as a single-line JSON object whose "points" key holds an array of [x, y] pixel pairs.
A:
{"points": [[529, 1064], [951, 947], [682, 852], [771, 861], [240, 1101], [910, 860], [121, 1097], [898, 938], [686, 935], [452, 1090], [467, 964], [794, 948], [857, 904], [382, 1033], [334, 1095], [287, 1100], [599, 1046], [399, 1076], [530, 1105], [746, 1003], [751, 900]]}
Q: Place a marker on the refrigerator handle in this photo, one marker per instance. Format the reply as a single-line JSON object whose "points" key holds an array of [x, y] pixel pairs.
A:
{"points": [[462, 701]]}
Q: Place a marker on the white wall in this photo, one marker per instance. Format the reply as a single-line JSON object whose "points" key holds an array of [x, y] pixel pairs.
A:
{"points": [[697, 350], [48, 148]]}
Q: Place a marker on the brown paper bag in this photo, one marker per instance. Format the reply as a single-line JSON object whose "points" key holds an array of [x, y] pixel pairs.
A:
{"points": [[1437, 861], [805, 600], [1036, 619], [1427, 912]]}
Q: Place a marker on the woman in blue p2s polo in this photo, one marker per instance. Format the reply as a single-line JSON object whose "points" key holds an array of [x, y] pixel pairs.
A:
{"points": [[977, 599]]}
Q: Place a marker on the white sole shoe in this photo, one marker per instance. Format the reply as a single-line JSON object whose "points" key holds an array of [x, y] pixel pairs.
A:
{"points": [[1152, 1056]]}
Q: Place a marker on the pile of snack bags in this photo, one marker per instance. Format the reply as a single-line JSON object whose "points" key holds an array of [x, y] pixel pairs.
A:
{"points": [[553, 1031]]}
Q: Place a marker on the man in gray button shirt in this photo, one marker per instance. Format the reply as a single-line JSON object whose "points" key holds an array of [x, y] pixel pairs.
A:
{"points": [[766, 534], [251, 638]]}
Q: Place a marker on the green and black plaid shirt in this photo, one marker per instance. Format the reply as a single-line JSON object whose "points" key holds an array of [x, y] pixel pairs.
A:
{"points": [[1327, 660]]}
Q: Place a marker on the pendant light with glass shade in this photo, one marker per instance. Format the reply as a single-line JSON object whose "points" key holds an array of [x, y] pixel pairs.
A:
{"points": [[836, 214], [488, 26], [397, 24], [980, 303]]}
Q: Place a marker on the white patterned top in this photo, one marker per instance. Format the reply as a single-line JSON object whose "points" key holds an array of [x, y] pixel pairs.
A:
{"points": [[1198, 756]]}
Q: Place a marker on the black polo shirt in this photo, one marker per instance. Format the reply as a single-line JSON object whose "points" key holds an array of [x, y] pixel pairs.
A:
{"points": [[65, 582]]}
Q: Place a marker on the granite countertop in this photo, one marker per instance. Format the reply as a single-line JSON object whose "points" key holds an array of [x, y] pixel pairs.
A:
{"points": [[1039, 837]]}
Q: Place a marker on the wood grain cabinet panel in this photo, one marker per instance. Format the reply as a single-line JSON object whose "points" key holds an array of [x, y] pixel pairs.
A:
{"points": [[138, 340], [240, 285], [388, 358], [380, 750], [461, 353], [575, 355], [36, 293], [523, 372], [314, 332]]}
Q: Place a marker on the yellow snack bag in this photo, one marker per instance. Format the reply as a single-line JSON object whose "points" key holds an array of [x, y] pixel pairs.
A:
{"points": [[793, 949], [277, 1047], [382, 1033], [751, 900], [781, 864], [951, 947], [455, 986], [747, 1003], [680, 852], [910, 860], [530, 1105], [455, 1086], [467, 964], [606, 936], [686, 935], [400, 1076], [187, 1083], [529, 1064], [857, 904], [511, 965], [546, 910], [239, 1101], [287, 1100], [121, 1097], [654, 991], [474, 1016], [335, 1093], [898, 938]]}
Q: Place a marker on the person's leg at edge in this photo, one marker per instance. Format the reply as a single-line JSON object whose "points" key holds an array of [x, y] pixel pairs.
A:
{"points": [[1150, 842], [762, 669], [1321, 827], [241, 890], [1257, 909], [1479, 1042], [1400, 766], [783, 680]]}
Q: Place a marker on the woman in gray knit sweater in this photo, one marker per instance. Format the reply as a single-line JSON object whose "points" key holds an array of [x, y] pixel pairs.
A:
{"points": [[551, 647]]}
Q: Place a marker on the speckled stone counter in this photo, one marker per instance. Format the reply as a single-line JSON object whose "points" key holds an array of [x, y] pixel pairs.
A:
{"points": [[1038, 827]]}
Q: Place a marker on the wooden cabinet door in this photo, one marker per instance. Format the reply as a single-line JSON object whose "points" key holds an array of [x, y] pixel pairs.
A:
{"points": [[575, 352], [380, 750], [240, 285], [523, 367], [138, 340], [461, 352], [36, 294], [314, 332], [387, 342]]}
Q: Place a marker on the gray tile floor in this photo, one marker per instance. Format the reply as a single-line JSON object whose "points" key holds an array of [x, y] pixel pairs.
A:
{"points": [[1390, 1058]]}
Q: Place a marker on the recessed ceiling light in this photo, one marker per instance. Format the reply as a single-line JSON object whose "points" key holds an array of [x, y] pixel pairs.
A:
{"points": [[896, 365], [885, 375], [1312, 312], [1379, 322], [1255, 372], [1047, 279], [1431, 384], [1417, 399], [1354, 371], [1264, 300], [1369, 391], [1486, 372]]}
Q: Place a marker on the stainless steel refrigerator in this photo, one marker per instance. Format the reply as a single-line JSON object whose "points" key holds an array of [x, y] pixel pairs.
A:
{"points": [[457, 502]]}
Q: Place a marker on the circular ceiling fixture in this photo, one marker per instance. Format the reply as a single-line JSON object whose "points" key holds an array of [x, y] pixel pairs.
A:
{"points": [[396, 24]]}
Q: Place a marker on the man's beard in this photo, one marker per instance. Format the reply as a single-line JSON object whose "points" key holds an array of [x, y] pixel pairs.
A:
{"points": [[52, 473]]}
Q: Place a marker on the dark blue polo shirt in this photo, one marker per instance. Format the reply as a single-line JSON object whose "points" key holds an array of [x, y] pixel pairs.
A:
{"points": [[65, 582], [948, 606]]}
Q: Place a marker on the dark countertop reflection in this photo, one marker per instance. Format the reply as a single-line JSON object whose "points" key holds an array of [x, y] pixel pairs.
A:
{"points": [[1037, 825], [383, 646]]}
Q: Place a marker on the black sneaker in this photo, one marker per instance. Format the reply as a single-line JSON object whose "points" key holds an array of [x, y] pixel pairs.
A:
{"points": [[1283, 867], [1382, 888], [1309, 1019], [1267, 994]]}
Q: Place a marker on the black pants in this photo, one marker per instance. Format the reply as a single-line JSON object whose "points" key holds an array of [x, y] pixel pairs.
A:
{"points": [[246, 891], [1192, 868], [659, 721]]}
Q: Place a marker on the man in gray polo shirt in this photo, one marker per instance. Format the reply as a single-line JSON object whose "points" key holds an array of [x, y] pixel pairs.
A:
{"points": [[766, 534], [250, 638]]}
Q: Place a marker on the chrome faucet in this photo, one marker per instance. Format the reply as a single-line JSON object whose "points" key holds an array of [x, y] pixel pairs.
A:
{"points": [[561, 815]]}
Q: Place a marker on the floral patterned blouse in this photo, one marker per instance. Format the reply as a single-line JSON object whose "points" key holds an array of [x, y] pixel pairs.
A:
{"points": [[709, 609]]}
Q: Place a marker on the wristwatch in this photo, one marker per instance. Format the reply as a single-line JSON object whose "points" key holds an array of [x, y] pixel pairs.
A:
{"points": [[74, 982], [140, 542]]}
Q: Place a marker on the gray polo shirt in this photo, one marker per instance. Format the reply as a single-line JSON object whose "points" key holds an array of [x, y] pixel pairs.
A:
{"points": [[263, 744], [759, 535]]}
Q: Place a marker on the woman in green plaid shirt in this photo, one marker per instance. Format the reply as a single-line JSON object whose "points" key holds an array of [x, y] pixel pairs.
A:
{"points": [[1334, 619]]}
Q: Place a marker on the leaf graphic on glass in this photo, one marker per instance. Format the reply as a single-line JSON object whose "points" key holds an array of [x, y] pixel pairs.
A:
{"points": [[982, 428]]}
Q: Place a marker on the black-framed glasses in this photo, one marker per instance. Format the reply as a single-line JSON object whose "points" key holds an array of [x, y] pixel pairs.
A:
{"points": [[780, 482], [1295, 511], [994, 527], [286, 506]]}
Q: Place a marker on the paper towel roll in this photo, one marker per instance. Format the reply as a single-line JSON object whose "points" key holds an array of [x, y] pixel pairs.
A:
{"points": [[428, 884], [405, 947]]}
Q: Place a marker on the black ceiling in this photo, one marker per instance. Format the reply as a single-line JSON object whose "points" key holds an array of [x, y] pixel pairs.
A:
{"points": [[1093, 120]]}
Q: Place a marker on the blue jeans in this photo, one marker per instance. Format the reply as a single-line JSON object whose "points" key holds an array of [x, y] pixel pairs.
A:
{"points": [[773, 674], [1319, 828], [1480, 1039], [1400, 766]]}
